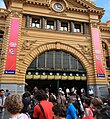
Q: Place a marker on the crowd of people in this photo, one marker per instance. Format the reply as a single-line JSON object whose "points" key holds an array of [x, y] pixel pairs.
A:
{"points": [[41, 104]]}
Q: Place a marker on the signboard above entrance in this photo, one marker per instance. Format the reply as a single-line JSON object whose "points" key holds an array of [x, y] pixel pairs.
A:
{"points": [[55, 76]]}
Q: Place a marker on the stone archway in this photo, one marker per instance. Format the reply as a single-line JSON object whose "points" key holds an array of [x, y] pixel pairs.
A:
{"points": [[28, 58]]}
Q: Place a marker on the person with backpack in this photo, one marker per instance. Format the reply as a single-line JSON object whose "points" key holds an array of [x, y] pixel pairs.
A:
{"points": [[43, 110], [100, 112], [88, 112]]}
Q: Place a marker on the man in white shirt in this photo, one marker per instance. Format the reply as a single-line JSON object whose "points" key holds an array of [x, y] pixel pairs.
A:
{"points": [[2, 102], [91, 93]]}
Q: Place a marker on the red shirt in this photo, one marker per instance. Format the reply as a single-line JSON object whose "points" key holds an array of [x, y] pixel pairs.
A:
{"points": [[47, 106]]}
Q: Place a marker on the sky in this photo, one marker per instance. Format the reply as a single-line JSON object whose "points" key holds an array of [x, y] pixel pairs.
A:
{"points": [[99, 3]]}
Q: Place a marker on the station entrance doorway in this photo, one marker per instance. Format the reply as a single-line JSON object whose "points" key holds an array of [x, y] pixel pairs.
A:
{"points": [[54, 69], [54, 85]]}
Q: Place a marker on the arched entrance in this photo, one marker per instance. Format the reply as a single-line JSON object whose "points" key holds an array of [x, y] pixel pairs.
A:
{"points": [[54, 69]]}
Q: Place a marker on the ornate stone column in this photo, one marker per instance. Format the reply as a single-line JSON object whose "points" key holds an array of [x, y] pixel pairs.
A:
{"points": [[109, 57], [84, 28], [71, 27], [57, 25], [100, 86], [27, 21], [9, 78], [42, 22]]}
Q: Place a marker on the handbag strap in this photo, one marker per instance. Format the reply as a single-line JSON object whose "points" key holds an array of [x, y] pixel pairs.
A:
{"points": [[91, 114], [42, 110]]}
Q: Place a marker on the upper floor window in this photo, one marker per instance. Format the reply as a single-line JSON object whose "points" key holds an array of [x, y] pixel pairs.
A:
{"points": [[36, 22], [1, 35], [105, 49], [0, 51], [104, 46], [64, 26], [50, 24], [77, 27], [108, 61]]}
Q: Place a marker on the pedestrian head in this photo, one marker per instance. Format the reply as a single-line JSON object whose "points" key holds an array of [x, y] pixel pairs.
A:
{"points": [[59, 111], [96, 103], [47, 90], [72, 99], [86, 102], [13, 103], [40, 95], [2, 92], [26, 95]]}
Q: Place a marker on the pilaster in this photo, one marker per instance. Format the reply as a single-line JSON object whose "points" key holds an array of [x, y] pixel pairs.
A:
{"points": [[11, 79]]}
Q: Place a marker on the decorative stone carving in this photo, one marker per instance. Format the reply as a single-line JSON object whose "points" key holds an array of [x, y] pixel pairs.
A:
{"points": [[27, 44], [16, 14], [85, 49], [94, 24], [57, 13], [2, 28], [108, 41]]}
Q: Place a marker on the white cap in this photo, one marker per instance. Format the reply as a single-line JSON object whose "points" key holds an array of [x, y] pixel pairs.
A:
{"points": [[72, 90], [67, 90], [60, 88]]}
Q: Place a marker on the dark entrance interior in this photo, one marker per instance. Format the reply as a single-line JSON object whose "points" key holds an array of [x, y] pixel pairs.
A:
{"points": [[53, 85], [56, 68]]}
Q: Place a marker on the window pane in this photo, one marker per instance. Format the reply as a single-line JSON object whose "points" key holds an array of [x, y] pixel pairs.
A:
{"points": [[64, 26], [50, 24], [107, 61], [65, 60], [41, 61], [0, 51], [80, 67], [1, 35], [1, 38], [49, 59], [73, 62], [58, 59], [33, 64], [77, 28], [50, 27], [35, 22]]}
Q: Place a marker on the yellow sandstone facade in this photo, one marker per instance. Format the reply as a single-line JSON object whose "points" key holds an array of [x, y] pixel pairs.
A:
{"points": [[54, 25]]}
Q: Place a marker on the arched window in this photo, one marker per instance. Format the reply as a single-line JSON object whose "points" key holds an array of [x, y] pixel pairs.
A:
{"points": [[106, 54], [56, 60]]}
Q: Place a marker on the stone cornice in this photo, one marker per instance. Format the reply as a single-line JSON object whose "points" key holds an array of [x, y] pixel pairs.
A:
{"points": [[104, 28], [37, 3], [89, 7]]}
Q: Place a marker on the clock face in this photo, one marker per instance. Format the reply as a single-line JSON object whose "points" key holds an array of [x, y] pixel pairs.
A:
{"points": [[58, 7]]}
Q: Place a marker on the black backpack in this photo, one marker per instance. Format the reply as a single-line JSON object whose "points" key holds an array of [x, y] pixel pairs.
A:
{"points": [[103, 113]]}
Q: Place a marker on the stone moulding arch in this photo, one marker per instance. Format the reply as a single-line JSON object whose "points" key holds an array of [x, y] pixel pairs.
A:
{"points": [[28, 58]]}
